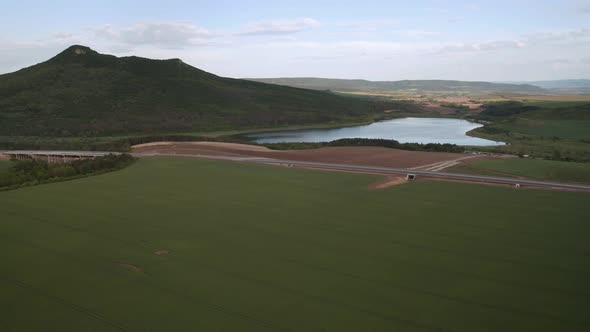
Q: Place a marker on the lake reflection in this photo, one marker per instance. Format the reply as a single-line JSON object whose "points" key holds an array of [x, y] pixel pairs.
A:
{"points": [[406, 130]]}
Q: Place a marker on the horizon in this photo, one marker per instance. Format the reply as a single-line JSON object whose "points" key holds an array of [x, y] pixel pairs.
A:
{"points": [[425, 40], [329, 78]]}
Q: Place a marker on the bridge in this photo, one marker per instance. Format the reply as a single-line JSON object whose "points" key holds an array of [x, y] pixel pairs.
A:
{"points": [[64, 156], [52, 156]]}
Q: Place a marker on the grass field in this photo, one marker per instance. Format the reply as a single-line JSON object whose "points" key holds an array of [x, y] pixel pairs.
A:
{"points": [[531, 168], [551, 133], [557, 103], [257, 248], [568, 129], [5, 165]]}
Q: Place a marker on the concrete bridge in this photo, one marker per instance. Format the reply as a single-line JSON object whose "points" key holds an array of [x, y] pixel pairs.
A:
{"points": [[65, 156], [51, 156]]}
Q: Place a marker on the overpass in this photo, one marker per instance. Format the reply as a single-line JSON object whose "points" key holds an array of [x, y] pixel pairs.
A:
{"points": [[52, 156], [64, 156]]}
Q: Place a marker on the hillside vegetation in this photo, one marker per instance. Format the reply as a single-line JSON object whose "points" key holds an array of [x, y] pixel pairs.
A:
{"points": [[389, 86], [559, 133], [83, 93]]}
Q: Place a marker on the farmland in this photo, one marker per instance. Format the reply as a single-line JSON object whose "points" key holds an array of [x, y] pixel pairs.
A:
{"points": [[529, 168], [185, 245], [558, 133], [4, 165]]}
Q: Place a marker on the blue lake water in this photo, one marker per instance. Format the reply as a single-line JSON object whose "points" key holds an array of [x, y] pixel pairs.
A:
{"points": [[406, 130]]}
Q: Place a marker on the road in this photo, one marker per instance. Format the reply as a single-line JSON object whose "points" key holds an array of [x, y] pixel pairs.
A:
{"points": [[330, 166]]}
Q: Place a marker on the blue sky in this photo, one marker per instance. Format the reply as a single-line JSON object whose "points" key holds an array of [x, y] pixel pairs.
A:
{"points": [[377, 40]]}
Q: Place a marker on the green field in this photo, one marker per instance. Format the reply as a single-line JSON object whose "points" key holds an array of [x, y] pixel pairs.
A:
{"points": [[5, 165], [530, 168], [568, 129], [584, 100], [551, 133], [257, 248]]}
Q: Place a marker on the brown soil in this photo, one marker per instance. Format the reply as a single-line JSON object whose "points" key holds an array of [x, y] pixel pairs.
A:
{"points": [[130, 267], [161, 252], [436, 107], [225, 146], [366, 156], [388, 182]]}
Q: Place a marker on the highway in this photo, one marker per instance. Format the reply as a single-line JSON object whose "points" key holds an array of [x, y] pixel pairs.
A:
{"points": [[330, 166]]}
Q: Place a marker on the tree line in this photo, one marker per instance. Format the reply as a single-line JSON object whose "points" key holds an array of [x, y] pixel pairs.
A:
{"points": [[386, 143], [30, 172]]}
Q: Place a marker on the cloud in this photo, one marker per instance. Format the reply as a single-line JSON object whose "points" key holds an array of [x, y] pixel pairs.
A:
{"points": [[436, 10], [158, 33], [414, 34], [488, 46], [455, 19], [558, 61], [63, 38], [369, 25], [278, 27], [579, 36], [549, 39], [474, 7], [584, 9]]}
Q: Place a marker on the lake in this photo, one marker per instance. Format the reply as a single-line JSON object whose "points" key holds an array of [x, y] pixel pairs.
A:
{"points": [[406, 130]]}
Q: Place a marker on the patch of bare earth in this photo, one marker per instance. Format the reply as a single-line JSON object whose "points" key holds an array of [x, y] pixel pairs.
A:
{"points": [[161, 252], [436, 107], [200, 145], [365, 156], [388, 182], [129, 267]]}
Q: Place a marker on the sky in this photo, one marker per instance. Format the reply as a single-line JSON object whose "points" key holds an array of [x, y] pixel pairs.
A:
{"points": [[518, 40]]}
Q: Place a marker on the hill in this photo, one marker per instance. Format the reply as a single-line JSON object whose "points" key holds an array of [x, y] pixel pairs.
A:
{"points": [[559, 133], [579, 86], [81, 92], [558, 84], [389, 86]]}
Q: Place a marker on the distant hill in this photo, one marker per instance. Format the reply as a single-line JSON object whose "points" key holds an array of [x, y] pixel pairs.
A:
{"points": [[392, 86], [80, 92], [558, 84], [578, 86]]}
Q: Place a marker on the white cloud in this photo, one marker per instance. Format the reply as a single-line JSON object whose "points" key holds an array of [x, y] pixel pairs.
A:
{"points": [[582, 35], [577, 37], [487, 46], [163, 34], [278, 27], [369, 25], [585, 8], [415, 33], [436, 10], [63, 38], [394, 52], [456, 19], [474, 7]]}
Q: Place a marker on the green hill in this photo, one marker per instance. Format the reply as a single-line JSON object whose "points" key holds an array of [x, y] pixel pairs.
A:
{"points": [[417, 85], [80, 92]]}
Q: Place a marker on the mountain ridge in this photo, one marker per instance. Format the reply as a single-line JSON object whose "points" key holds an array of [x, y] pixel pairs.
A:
{"points": [[80, 92]]}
